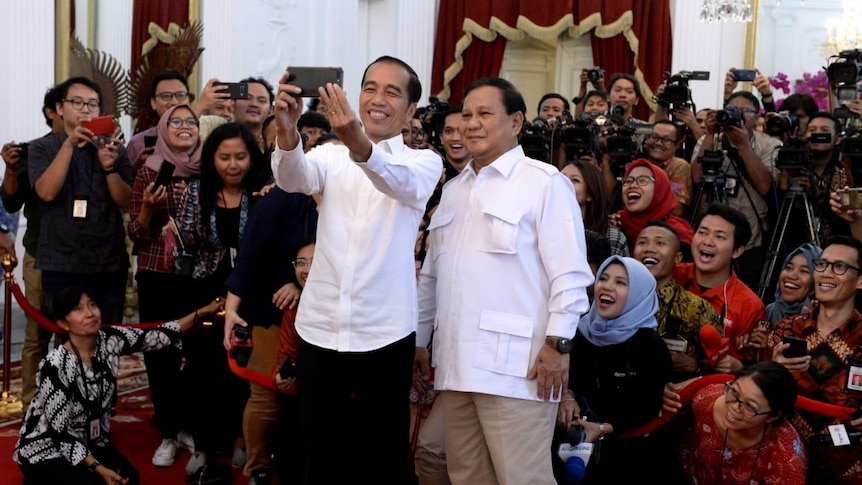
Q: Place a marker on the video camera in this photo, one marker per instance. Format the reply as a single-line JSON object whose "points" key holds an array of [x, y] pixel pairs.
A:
{"points": [[782, 123], [532, 140], [844, 72], [794, 156], [578, 137], [711, 161], [433, 119], [676, 92]]}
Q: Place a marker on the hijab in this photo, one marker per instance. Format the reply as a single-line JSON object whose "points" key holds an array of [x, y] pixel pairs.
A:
{"points": [[660, 209], [187, 163], [639, 310], [779, 309]]}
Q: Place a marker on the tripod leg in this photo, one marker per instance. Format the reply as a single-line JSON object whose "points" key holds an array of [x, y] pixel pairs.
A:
{"points": [[774, 246]]}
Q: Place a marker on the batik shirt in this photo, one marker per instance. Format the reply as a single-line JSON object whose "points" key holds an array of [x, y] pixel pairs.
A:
{"points": [[57, 424]]}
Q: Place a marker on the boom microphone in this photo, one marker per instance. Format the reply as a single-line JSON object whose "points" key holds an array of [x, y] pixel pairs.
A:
{"points": [[715, 346]]}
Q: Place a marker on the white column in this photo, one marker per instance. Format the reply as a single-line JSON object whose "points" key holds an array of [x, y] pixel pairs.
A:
{"points": [[416, 29], [113, 36]]}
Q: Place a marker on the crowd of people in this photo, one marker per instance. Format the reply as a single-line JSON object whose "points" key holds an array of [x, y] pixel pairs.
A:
{"points": [[476, 309]]}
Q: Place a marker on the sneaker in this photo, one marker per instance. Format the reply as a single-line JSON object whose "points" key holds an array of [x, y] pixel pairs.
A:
{"points": [[239, 458], [166, 453], [196, 461], [186, 442]]}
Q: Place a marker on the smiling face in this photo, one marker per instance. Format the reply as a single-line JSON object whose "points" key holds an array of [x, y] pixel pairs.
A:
{"points": [[712, 245], [84, 320], [384, 106], [185, 137], [658, 249], [452, 142], [662, 144], [488, 130], [232, 161], [636, 198], [611, 291], [305, 253], [837, 289], [252, 111], [794, 282], [744, 393], [166, 86], [581, 192]]}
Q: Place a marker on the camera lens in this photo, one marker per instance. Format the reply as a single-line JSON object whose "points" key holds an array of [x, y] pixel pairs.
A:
{"points": [[593, 75]]}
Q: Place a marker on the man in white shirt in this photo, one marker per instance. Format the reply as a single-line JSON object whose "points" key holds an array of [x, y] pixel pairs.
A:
{"points": [[357, 318], [503, 286]]}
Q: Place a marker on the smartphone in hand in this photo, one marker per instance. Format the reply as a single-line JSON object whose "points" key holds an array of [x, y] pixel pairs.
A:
{"points": [[310, 78], [234, 90], [746, 75], [163, 178], [101, 125], [798, 347]]}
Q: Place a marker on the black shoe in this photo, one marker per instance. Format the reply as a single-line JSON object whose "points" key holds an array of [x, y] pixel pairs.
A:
{"points": [[261, 476]]}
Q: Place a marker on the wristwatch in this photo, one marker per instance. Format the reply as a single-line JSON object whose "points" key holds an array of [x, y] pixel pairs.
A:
{"points": [[94, 465], [560, 344]]}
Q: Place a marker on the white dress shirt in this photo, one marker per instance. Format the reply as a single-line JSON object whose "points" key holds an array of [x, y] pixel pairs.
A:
{"points": [[506, 267], [361, 294]]}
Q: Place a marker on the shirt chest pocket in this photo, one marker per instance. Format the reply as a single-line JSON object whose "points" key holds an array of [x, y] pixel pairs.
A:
{"points": [[500, 228], [440, 230], [504, 344]]}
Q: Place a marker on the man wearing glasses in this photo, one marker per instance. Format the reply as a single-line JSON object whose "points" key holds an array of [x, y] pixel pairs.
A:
{"points": [[85, 182], [832, 330], [660, 148], [748, 174], [170, 88]]}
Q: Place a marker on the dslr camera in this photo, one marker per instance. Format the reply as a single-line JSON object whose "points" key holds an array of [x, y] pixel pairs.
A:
{"points": [[433, 120], [241, 345], [729, 116], [595, 74], [781, 124]]}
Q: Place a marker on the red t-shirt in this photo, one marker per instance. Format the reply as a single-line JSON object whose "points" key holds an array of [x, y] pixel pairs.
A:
{"points": [[736, 303], [780, 460]]}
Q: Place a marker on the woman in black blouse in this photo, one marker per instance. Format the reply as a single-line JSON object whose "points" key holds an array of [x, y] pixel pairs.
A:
{"points": [[65, 435]]}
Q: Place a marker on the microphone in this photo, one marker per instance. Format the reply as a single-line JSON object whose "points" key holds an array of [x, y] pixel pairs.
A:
{"points": [[715, 346], [576, 457], [826, 440], [539, 123]]}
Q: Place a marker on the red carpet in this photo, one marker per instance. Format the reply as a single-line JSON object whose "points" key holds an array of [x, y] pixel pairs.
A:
{"points": [[130, 429]]}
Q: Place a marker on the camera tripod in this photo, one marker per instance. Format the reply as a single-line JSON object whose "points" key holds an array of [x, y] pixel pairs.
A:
{"points": [[792, 199], [710, 187]]}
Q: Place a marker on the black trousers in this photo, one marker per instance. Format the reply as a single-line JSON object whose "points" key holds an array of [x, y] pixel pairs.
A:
{"points": [[61, 472], [108, 290], [355, 412], [163, 297]]}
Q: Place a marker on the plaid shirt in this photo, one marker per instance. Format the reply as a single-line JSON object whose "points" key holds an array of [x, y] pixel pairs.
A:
{"points": [[149, 244]]}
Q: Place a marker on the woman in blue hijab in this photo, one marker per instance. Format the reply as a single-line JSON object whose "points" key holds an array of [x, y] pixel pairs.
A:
{"points": [[618, 370], [795, 283]]}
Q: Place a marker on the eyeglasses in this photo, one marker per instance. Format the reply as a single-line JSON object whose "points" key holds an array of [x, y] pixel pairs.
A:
{"points": [[742, 110], [179, 96], [179, 122], [78, 104], [301, 263], [838, 267], [661, 139], [731, 396], [641, 181]]}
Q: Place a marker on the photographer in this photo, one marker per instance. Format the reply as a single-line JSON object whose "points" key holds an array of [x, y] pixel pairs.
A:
{"points": [[624, 90], [803, 107], [824, 175], [594, 76], [747, 168]]}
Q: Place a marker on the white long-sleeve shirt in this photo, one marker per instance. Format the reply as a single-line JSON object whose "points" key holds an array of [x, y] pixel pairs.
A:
{"points": [[361, 294], [506, 267]]}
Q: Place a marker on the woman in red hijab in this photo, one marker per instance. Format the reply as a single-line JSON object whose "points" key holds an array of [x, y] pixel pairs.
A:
{"points": [[647, 196]]}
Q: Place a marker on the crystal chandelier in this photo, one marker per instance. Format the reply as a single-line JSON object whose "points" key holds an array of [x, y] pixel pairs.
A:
{"points": [[726, 10], [843, 33]]}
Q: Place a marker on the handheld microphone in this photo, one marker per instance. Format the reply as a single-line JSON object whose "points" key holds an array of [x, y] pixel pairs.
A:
{"points": [[715, 346], [576, 457]]}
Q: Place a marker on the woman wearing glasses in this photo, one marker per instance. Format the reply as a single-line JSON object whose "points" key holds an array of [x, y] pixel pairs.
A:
{"points": [[740, 434], [647, 196], [161, 291]]}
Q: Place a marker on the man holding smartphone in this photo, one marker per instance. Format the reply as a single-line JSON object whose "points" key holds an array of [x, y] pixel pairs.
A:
{"points": [[832, 329], [358, 314], [85, 182]]}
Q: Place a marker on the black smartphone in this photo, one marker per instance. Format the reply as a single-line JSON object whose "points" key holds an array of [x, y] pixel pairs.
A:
{"points": [[311, 78], [744, 74], [234, 90], [150, 140], [287, 369], [25, 151], [163, 178], [798, 347]]}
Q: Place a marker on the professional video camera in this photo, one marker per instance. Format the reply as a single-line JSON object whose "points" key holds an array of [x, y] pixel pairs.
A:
{"points": [[781, 123], [711, 162], [434, 119], [676, 92], [794, 155], [729, 116], [844, 72], [532, 140], [577, 136]]}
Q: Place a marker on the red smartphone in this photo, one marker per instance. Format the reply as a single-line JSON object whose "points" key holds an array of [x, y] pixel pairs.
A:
{"points": [[101, 125]]}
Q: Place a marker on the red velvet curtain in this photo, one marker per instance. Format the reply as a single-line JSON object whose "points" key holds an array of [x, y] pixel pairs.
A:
{"points": [[161, 12], [484, 26]]}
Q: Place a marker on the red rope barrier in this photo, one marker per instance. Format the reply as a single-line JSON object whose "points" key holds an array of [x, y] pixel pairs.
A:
{"points": [[256, 377], [686, 394]]}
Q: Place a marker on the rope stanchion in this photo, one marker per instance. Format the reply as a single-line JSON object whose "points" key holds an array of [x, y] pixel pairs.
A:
{"points": [[10, 403], [834, 411]]}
